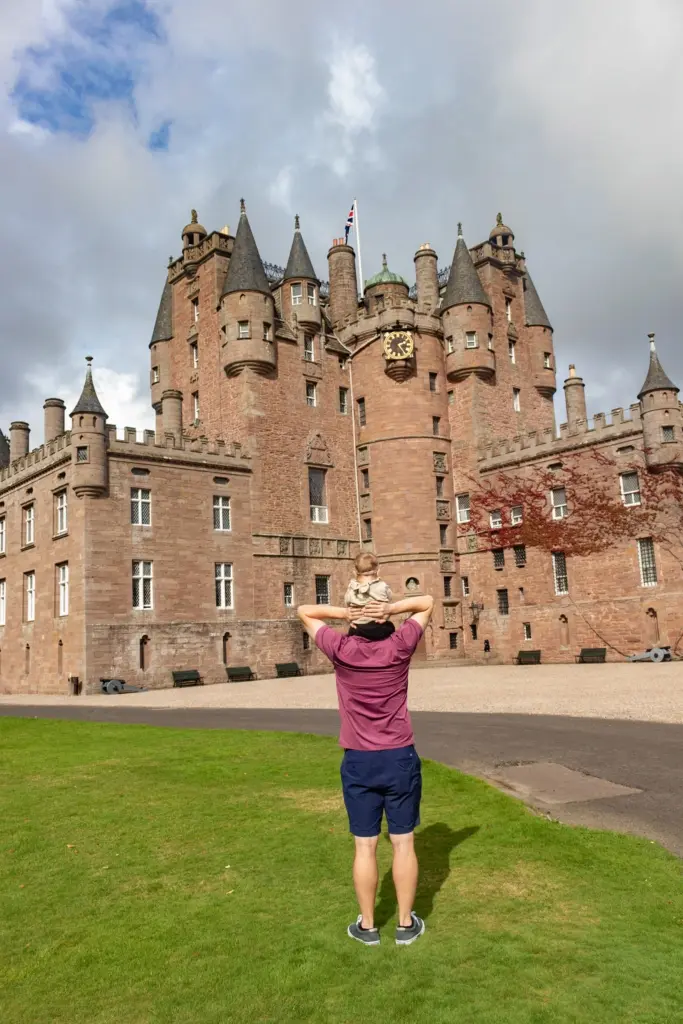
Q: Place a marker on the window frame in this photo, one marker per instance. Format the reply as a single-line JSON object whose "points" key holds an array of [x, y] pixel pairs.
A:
{"points": [[3, 602], [560, 576], [243, 332], [61, 512], [433, 382], [224, 583], [625, 495], [288, 595], [519, 551], [362, 412], [137, 505], [436, 426], [267, 330], [496, 519], [668, 427], [512, 352], [29, 524], [498, 558], [309, 348], [463, 514], [516, 517], [296, 297], [447, 586], [644, 569], [156, 375], [465, 585], [311, 392], [311, 294], [526, 630], [140, 576], [547, 361], [318, 589], [559, 510], [62, 589], [3, 534], [195, 309], [30, 596], [508, 308], [222, 504], [194, 354], [503, 601], [195, 406], [517, 399], [343, 401], [318, 513], [471, 340]]}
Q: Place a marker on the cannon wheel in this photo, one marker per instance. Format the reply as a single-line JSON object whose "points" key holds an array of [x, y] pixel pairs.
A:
{"points": [[114, 686], [657, 655]]}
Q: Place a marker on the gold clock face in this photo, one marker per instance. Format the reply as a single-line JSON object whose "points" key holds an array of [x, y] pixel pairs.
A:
{"points": [[398, 345]]}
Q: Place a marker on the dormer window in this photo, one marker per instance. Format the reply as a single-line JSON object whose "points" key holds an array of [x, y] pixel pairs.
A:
{"points": [[310, 293], [296, 294]]}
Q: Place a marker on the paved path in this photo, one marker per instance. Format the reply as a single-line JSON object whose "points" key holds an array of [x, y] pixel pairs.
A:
{"points": [[644, 756]]}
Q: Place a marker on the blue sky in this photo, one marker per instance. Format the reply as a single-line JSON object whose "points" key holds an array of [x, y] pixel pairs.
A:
{"points": [[116, 118]]}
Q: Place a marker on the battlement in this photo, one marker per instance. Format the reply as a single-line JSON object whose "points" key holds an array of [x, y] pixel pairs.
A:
{"points": [[151, 448], [539, 444], [364, 322], [44, 457], [487, 250]]}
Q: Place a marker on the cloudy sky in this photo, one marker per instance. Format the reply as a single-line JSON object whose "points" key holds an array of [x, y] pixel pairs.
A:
{"points": [[118, 116]]}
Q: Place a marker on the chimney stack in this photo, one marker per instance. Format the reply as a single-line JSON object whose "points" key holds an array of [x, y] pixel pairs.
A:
{"points": [[18, 439], [575, 397], [54, 410]]}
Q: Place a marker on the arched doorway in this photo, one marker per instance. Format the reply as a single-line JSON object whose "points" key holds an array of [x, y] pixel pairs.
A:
{"points": [[564, 631], [144, 652]]}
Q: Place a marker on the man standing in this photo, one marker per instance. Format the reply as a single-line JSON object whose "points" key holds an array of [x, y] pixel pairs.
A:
{"points": [[380, 771]]}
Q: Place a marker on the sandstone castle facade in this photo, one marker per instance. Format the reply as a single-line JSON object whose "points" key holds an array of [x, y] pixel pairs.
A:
{"points": [[297, 424]]}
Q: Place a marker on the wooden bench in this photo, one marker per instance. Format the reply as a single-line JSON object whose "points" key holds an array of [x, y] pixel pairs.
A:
{"points": [[187, 677], [528, 658], [239, 673], [591, 654], [287, 668]]}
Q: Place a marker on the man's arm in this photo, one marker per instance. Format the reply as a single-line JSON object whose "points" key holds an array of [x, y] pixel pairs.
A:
{"points": [[312, 616], [419, 608]]}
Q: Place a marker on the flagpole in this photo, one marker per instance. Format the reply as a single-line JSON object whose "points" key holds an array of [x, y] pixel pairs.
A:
{"points": [[360, 264]]}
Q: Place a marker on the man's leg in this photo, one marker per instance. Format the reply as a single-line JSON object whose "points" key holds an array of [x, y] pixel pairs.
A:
{"points": [[366, 877], [404, 870]]}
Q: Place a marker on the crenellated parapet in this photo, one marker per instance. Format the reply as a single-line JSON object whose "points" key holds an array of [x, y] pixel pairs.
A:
{"points": [[171, 446], [538, 444], [40, 460]]}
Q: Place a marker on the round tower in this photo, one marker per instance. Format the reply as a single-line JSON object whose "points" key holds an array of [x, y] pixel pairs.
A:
{"points": [[53, 410], [89, 442], [19, 433], [247, 310], [427, 278], [466, 318], [381, 290], [300, 286], [172, 413], [539, 337], [661, 416], [341, 260], [575, 398]]}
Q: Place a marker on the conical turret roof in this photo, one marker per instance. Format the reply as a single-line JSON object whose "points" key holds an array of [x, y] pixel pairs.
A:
{"points": [[656, 379], [463, 281], [163, 325], [299, 262], [245, 270], [88, 402], [4, 450], [534, 313]]}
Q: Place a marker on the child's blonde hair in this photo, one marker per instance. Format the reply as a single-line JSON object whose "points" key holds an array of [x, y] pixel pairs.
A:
{"points": [[365, 562]]}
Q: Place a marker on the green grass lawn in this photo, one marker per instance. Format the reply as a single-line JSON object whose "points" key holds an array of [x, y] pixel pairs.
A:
{"points": [[162, 876]]}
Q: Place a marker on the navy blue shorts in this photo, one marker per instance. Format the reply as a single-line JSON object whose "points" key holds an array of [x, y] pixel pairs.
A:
{"points": [[382, 781]]}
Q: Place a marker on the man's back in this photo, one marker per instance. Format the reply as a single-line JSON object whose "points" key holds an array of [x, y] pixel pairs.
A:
{"points": [[372, 686]]}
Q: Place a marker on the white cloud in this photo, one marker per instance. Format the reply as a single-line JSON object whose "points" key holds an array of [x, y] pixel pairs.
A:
{"points": [[355, 97], [280, 190]]}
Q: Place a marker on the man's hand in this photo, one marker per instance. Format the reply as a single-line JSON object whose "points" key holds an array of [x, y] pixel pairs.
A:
{"points": [[378, 610]]}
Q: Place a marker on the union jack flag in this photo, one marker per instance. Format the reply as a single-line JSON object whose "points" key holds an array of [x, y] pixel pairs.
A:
{"points": [[349, 222]]}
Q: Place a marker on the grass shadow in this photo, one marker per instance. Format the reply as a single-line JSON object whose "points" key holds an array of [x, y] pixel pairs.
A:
{"points": [[433, 846]]}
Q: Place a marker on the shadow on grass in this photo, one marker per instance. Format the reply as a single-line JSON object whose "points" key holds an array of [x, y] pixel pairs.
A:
{"points": [[433, 846]]}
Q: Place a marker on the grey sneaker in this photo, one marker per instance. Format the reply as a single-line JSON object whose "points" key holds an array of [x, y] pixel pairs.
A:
{"points": [[369, 936], [404, 936]]}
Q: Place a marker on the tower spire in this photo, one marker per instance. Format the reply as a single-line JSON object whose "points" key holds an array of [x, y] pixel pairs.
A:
{"points": [[534, 313], [88, 402], [245, 270], [463, 281], [163, 325], [657, 379], [299, 262]]}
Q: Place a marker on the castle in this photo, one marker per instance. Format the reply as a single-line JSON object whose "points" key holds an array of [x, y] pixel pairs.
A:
{"points": [[297, 424]]}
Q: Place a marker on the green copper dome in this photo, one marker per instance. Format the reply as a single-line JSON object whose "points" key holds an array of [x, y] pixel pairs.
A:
{"points": [[385, 276]]}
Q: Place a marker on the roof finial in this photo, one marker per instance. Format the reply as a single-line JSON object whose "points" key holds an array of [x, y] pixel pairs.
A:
{"points": [[459, 229], [243, 208], [384, 261], [88, 360], [296, 221], [651, 336], [499, 218], [193, 216]]}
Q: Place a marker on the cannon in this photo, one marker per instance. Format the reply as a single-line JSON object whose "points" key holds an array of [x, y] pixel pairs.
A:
{"points": [[119, 686], [656, 654]]}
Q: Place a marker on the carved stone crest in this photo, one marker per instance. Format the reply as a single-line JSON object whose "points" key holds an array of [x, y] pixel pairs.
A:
{"points": [[315, 546], [471, 542], [446, 561], [317, 451], [440, 465], [285, 545], [443, 510], [450, 615], [342, 548]]}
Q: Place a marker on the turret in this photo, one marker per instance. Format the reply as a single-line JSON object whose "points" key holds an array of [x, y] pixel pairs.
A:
{"points": [[427, 278], [300, 286], [381, 289], [575, 398], [194, 232], [53, 410], [539, 334], [172, 413], [247, 311], [466, 317], [89, 441], [19, 433], [341, 260], [501, 235], [661, 416], [159, 353]]}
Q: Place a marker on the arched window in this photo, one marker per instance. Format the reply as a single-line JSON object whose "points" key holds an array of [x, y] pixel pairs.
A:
{"points": [[225, 647], [144, 652]]}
